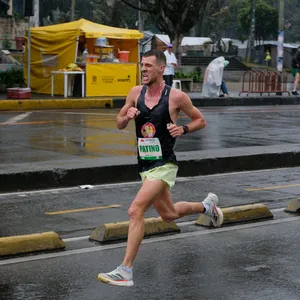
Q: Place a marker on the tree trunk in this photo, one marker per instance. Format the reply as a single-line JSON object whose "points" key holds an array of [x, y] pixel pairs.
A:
{"points": [[73, 3], [177, 47], [35, 19]]}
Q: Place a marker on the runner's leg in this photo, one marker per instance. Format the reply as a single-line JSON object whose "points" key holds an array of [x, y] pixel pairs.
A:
{"points": [[143, 200], [170, 211]]}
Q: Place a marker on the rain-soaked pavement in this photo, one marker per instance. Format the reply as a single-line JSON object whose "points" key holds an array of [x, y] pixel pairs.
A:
{"points": [[42, 136], [249, 261], [254, 261]]}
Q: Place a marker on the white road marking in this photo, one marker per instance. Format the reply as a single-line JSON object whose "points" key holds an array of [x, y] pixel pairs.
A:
{"points": [[147, 241], [130, 183], [17, 118]]}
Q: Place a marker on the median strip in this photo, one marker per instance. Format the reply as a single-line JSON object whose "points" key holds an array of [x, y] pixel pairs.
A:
{"points": [[293, 206], [119, 231], [30, 243], [238, 214]]}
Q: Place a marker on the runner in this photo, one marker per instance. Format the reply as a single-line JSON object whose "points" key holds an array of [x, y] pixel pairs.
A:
{"points": [[155, 107]]}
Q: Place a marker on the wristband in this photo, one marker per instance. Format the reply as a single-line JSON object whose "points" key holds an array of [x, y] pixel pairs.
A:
{"points": [[185, 129]]}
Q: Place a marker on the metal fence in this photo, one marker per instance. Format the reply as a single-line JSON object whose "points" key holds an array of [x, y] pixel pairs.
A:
{"points": [[261, 82]]}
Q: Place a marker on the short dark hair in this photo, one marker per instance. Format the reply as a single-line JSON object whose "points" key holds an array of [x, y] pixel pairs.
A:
{"points": [[159, 55]]}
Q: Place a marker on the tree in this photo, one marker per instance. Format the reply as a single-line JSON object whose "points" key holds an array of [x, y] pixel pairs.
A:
{"points": [[266, 16], [173, 17], [4, 7]]}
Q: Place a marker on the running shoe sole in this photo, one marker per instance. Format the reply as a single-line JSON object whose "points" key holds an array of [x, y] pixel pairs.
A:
{"points": [[219, 221], [116, 283]]}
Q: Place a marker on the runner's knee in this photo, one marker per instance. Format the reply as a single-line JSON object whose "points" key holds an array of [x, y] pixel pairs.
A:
{"points": [[135, 211]]}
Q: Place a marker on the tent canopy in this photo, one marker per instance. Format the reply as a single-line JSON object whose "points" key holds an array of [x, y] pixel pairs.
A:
{"points": [[90, 30]]}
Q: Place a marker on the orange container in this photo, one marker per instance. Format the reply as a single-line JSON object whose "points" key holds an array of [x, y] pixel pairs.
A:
{"points": [[124, 56], [91, 58]]}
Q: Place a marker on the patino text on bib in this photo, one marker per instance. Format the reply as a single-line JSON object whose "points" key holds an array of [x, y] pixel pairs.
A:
{"points": [[149, 147]]}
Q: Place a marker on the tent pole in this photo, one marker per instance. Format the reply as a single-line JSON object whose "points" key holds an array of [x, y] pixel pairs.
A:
{"points": [[28, 55], [139, 61], [76, 50]]}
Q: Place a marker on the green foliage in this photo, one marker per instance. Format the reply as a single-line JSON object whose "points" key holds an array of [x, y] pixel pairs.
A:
{"points": [[6, 43], [2, 77], [266, 16], [12, 76], [196, 75]]}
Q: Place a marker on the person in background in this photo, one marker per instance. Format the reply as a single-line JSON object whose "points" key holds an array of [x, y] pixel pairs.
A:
{"points": [[170, 67], [268, 58], [295, 71], [224, 89]]}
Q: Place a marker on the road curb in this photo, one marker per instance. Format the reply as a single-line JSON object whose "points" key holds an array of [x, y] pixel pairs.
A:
{"points": [[238, 214], [44, 104], [119, 231], [124, 169], [118, 102], [293, 206], [231, 101], [30, 243]]}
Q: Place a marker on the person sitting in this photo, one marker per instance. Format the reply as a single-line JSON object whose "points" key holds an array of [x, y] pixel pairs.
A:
{"points": [[224, 89]]}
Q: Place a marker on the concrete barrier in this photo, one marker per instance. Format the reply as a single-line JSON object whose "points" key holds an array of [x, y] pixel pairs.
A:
{"points": [[237, 214], [30, 243], [119, 231], [293, 206]]}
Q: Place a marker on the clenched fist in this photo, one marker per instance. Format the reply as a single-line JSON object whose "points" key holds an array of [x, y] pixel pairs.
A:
{"points": [[175, 131], [132, 113]]}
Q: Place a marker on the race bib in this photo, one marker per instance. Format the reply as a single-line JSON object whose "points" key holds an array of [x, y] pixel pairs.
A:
{"points": [[149, 148]]}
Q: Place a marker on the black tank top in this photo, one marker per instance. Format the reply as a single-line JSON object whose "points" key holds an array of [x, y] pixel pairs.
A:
{"points": [[152, 123]]}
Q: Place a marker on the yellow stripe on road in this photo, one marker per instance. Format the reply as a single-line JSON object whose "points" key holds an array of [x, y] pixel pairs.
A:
{"points": [[273, 187], [82, 209]]}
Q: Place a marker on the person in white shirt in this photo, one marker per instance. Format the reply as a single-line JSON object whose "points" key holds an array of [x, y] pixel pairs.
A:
{"points": [[170, 67]]}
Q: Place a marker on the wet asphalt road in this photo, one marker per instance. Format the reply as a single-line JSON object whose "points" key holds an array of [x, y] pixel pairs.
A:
{"points": [[43, 136], [257, 260], [31, 212]]}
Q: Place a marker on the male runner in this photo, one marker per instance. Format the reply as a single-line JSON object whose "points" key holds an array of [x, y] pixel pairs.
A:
{"points": [[155, 107]]}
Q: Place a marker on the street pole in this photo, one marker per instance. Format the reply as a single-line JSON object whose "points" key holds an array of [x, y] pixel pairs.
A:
{"points": [[140, 28], [280, 37], [140, 18], [28, 54], [250, 48]]}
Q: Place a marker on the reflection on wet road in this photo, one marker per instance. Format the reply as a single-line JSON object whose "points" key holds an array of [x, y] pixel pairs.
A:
{"points": [[47, 135]]}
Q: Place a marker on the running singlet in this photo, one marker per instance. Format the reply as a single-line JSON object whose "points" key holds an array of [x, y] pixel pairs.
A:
{"points": [[155, 144]]}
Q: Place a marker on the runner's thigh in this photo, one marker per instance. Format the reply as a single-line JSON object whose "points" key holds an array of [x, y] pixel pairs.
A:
{"points": [[148, 193], [164, 204]]}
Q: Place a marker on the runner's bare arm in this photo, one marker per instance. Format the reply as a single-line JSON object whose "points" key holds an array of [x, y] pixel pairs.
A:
{"points": [[183, 102], [128, 111]]}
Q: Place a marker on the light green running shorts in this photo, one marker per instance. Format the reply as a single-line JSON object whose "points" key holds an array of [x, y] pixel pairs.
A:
{"points": [[166, 173]]}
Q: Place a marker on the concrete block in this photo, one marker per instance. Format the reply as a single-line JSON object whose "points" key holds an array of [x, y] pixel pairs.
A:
{"points": [[30, 243], [293, 206], [237, 214], [119, 230]]}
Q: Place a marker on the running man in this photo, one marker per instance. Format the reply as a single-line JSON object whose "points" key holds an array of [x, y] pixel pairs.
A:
{"points": [[155, 107]]}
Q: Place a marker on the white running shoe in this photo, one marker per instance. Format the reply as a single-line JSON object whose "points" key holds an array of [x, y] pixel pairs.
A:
{"points": [[118, 277], [213, 212]]}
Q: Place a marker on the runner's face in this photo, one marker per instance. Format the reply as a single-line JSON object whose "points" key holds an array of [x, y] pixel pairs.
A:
{"points": [[151, 70]]}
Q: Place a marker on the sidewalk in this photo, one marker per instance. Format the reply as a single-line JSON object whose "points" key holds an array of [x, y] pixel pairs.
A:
{"points": [[41, 102]]}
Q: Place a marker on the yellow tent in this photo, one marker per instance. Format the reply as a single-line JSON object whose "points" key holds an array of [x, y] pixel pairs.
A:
{"points": [[54, 47]]}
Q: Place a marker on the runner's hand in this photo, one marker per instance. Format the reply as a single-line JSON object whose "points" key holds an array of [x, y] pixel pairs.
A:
{"points": [[132, 113], [175, 131]]}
